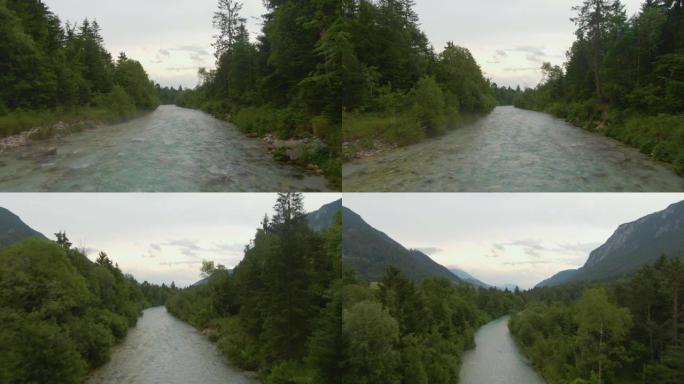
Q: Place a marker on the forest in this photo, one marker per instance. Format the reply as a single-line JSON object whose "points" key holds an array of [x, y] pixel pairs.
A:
{"points": [[404, 92], [52, 72], [61, 313], [294, 313], [626, 332], [624, 77], [286, 83]]}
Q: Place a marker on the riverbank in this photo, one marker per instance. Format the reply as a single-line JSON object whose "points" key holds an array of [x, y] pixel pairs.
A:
{"points": [[164, 349], [369, 135], [20, 128], [660, 137], [309, 148], [496, 358]]}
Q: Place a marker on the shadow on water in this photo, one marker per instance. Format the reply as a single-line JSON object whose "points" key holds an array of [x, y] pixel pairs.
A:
{"points": [[162, 349], [170, 150], [496, 359], [513, 150]]}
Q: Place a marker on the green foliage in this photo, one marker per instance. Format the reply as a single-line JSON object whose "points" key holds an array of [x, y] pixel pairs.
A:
{"points": [[403, 93], [61, 313], [277, 312], [627, 332], [623, 77], [49, 72]]}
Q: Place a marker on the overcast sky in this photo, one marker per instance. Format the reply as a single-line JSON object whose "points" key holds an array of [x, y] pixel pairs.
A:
{"points": [[172, 38], [510, 39], [155, 237], [501, 239]]}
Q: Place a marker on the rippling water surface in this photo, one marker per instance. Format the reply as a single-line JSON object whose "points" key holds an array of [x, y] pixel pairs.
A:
{"points": [[496, 359], [513, 150], [163, 350], [170, 150]]}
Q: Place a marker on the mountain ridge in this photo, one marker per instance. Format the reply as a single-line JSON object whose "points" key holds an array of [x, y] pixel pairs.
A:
{"points": [[13, 229]]}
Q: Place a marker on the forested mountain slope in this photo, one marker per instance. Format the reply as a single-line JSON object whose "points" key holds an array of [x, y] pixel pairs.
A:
{"points": [[13, 229]]}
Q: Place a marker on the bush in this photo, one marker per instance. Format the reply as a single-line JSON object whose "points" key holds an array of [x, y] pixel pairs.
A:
{"points": [[429, 106], [289, 373], [117, 101], [285, 123]]}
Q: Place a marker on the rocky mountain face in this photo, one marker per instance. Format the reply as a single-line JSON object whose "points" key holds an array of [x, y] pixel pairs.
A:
{"points": [[632, 246], [324, 217], [13, 229]]}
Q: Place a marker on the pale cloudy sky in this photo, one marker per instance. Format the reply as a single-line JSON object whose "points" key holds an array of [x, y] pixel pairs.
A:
{"points": [[509, 38], [505, 238], [155, 237], [171, 38]]}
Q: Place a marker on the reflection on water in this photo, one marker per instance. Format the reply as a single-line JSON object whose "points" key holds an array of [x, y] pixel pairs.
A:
{"points": [[163, 350], [170, 150], [496, 359], [513, 150]]}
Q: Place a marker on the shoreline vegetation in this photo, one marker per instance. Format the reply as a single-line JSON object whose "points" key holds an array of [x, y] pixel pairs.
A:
{"points": [[61, 313], [406, 92], [626, 331], [58, 78], [624, 78], [286, 84]]}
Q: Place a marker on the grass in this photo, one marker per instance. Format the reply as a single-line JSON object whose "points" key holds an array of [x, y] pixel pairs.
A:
{"points": [[76, 120]]}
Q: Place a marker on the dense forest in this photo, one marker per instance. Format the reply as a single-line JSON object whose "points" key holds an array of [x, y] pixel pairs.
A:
{"points": [[50, 72], [277, 312], [287, 83], [627, 332], [291, 311], [61, 313], [624, 77], [396, 89]]}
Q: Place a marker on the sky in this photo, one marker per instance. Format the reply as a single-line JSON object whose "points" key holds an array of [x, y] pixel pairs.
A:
{"points": [[171, 38], [510, 39], [518, 239], [155, 237]]}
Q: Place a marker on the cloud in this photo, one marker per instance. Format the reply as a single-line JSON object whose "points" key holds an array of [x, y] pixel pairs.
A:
{"points": [[181, 69], [501, 53], [155, 247], [527, 262], [430, 250]]}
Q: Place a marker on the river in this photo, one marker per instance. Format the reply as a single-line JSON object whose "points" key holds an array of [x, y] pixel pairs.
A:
{"points": [[169, 150], [513, 150], [164, 350], [496, 359]]}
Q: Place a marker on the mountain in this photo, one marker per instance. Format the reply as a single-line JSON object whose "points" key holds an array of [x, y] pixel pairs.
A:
{"points": [[324, 217], [559, 278], [369, 252], [468, 278], [632, 246], [13, 230]]}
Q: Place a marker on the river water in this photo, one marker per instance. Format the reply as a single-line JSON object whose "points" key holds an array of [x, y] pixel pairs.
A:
{"points": [[496, 359], [513, 150], [164, 350], [169, 150]]}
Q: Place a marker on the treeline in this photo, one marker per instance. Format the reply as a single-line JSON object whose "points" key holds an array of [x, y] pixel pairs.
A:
{"points": [[286, 83], [399, 332], [292, 312], [51, 72], [505, 95], [624, 77], [61, 313], [627, 332], [277, 312], [396, 88]]}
